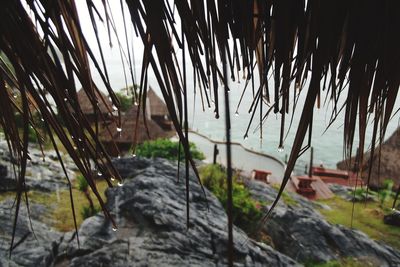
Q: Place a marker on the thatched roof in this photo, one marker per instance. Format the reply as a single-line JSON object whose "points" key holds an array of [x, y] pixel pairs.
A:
{"points": [[157, 106], [129, 133], [105, 105]]}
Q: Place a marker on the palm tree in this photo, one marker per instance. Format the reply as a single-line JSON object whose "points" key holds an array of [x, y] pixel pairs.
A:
{"points": [[343, 48]]}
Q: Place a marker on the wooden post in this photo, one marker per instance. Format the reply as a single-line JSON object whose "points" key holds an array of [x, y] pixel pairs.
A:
{"points": [[311, 162], [356, 166], [216, 152]]}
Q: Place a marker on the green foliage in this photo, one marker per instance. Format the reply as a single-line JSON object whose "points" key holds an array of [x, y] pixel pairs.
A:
{"points": [[32, 136], [87, 211], [385, 193], [82, 183], [165, 148], [246, 211], [124, 100], [368, 218], [286, 197], [347, 262], [360, 194], [58, 207]]}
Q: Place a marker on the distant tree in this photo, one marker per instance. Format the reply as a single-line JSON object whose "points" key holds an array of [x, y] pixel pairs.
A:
{"points": [[125, 101]]}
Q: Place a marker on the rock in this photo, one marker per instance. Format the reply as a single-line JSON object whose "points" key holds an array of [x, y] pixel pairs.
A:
{"points": [[304, 235], [389, 164], [3, 171], [46, 175], [150, 209], [392, 218], [6, 182], [32, 248], [342, 191]]}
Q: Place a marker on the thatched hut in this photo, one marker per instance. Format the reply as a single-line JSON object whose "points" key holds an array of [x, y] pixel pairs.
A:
{"points": [[158, 110], [105, 105], [117, 142]]}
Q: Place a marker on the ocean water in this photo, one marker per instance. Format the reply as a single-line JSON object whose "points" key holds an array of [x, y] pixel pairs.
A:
{"points": [[327, 143]]}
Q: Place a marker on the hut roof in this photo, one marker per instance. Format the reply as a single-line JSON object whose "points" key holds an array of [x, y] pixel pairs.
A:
{"points": [[105, 105], [157, 106], [127, 135]]}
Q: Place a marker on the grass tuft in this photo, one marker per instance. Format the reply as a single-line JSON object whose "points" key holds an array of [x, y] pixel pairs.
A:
{"points": [[59, 213], [368, 218]]}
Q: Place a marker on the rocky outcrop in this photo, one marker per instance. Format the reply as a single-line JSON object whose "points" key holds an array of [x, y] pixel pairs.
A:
{"points": [[43, 173], [389, 162], [31, 248], [300, 232], [393, 218], [150, 209]]}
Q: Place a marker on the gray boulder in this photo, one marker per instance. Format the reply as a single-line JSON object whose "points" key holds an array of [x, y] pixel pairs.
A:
{"points": [[150, 210], [31, 248], [392, 218], [42, 174], [300, 232]]}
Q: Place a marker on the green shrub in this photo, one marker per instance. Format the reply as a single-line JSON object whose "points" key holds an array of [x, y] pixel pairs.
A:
{"points": [[385, 193], [82, 183], [360, 194], [124, 100], [246, 211], [87, 212], [165, 148]]}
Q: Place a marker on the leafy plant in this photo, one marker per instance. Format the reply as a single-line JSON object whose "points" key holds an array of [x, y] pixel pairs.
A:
{"points": [[385, 193], [246, 211], [124, 100], [361, 194], [83, 186], [87, 211], [165, 148]]}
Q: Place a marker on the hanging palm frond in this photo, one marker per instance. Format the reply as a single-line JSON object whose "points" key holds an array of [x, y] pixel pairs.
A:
{"points": [[348, 48]]}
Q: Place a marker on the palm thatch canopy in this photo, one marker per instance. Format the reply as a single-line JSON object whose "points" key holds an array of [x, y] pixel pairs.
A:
{"points": [[328, 50]]}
